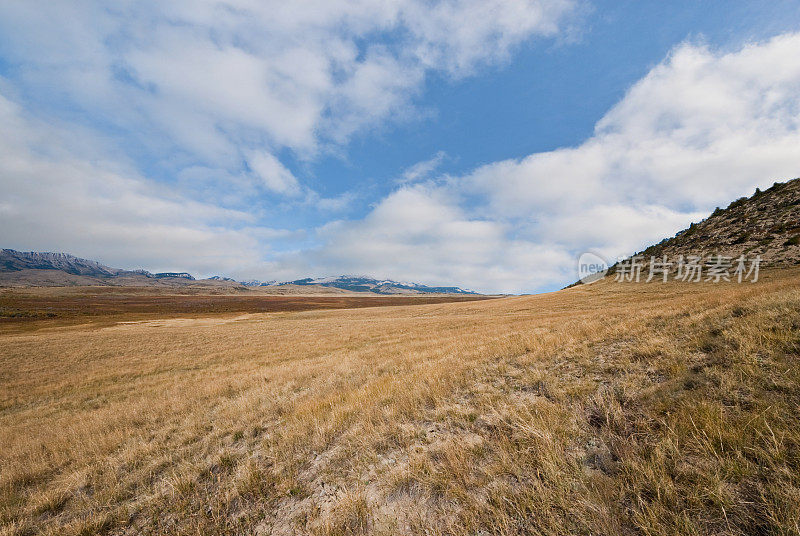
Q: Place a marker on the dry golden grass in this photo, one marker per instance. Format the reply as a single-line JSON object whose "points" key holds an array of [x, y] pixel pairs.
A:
{"points": [[608, 409]]}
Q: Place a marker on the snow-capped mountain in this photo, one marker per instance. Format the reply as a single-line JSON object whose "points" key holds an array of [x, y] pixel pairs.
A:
{"points": [[179, 275], [13, 261], [257, 283], [377, 286], [58, 269]]}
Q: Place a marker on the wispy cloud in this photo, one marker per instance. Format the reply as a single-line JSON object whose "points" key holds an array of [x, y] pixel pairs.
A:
{"points": [[273, 174], [422, 170]]}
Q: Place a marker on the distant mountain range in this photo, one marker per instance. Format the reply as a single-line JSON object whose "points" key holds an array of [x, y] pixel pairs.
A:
{"points": [[377, 286], [15, 261], [31, 268]]}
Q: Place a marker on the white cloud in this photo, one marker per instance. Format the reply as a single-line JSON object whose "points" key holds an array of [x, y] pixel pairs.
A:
{"points": [[55, 201], [417, 233], [332, 204], [701, 129], [457, 35], [273, 174], [213, 84], [198, 88], [217, 79], [422, 170]]}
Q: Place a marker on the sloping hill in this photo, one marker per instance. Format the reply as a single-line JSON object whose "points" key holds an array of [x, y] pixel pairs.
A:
{"points": [[767, 224]]}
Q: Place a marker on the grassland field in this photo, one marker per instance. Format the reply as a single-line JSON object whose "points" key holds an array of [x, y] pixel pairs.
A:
{"points": [[34, 308], [630, 409]]}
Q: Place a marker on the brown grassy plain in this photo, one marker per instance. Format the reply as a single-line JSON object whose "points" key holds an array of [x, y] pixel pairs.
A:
{"points": [[643, 409], [36, 307]]}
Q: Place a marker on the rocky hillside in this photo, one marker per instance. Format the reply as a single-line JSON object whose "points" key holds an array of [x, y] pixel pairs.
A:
{"points": [[766, 224], [13, 261]]}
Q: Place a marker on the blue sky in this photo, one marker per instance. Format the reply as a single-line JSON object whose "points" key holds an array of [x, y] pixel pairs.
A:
{"points": [[483, 144]]}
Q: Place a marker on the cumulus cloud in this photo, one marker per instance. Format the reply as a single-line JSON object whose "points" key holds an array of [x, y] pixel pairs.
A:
{"points": [[417, 233], [213, 80], [702, 128]]}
